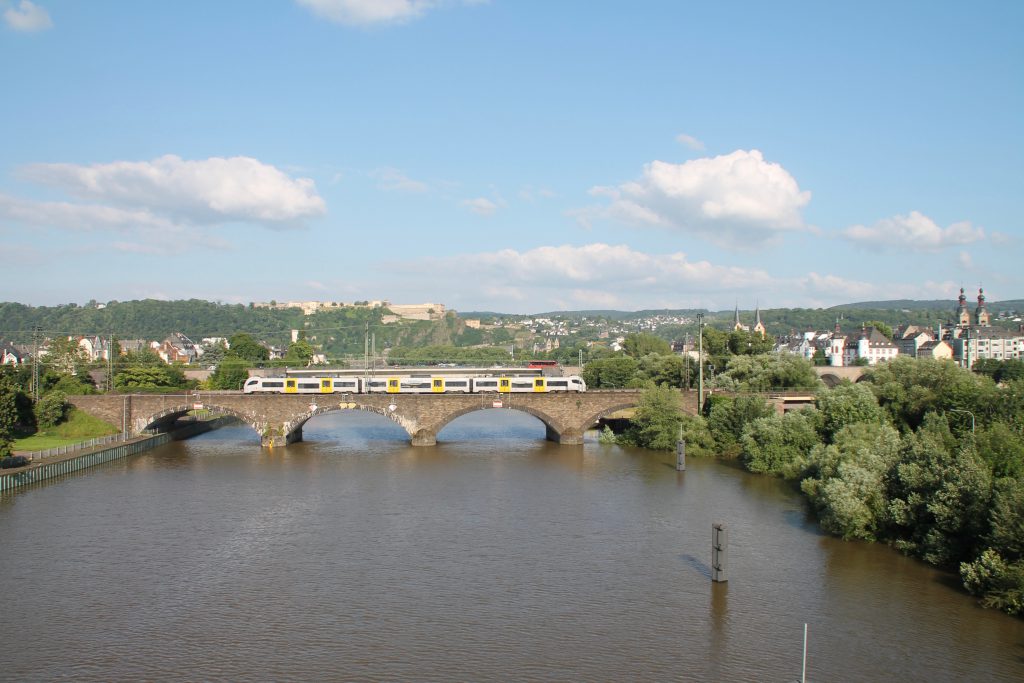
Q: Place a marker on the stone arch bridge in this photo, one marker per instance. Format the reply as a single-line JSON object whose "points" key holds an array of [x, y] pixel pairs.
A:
{"points": [[278, 418]]}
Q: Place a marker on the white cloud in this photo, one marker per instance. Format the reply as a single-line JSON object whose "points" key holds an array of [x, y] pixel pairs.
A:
{"points": [[213, 190], [27, 16], [393, 179], [367, 12], [914, 231], [965, 260], [585, 276], [151, 233], [734, 200], [690, 141], [480, 206]]}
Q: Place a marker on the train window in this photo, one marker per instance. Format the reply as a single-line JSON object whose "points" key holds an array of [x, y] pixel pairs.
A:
{"points": [[325, 383], [487, 384], [439, 383], [557, 383], [522, 385], [458, 383], [273, 385], [308, 385]]}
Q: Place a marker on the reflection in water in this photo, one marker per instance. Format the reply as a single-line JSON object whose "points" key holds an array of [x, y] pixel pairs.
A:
{"points": [[493, 556]]}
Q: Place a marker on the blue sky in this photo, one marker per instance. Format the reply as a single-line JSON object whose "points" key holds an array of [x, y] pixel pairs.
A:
{"points": [[511, 155]]}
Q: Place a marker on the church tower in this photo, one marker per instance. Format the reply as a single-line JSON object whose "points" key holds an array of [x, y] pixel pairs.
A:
{"points": [[737, 325], [963, 316], [981, 313], [758, 325]]}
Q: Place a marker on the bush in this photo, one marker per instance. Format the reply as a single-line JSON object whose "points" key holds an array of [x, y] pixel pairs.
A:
{"points": [[51, 409], [12, 461]]}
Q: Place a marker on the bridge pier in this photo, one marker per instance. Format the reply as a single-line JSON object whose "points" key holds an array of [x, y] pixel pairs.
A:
{"points": [[424, 437], [567, 437]]}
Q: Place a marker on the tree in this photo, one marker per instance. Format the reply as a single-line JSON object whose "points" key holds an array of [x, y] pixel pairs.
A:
{"points": [[845, 481], [728, 417], [656, 422], [51, 409], [243, 346], [610, 373], [844, 405], [65, 356], [231, 374], [767, 372], [777, 443], [150, 377], [8, 417], [299, 353], [883, 328], [642, 344]]}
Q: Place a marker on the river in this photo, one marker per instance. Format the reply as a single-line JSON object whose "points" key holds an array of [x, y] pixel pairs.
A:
{"points": [[494, 556]]}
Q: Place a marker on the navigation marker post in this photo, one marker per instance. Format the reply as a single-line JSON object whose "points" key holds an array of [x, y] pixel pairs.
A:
{"points": [[719, 552]]}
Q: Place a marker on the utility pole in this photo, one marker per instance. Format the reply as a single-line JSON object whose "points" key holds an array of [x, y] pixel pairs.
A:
{"points": [[700, 362], [35, 363]]}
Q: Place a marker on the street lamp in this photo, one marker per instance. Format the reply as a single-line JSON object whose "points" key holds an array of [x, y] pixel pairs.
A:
{"points": [[962, 410]]}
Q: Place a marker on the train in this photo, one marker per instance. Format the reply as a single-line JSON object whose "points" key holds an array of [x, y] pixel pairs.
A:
{"points": [[411, 384]]}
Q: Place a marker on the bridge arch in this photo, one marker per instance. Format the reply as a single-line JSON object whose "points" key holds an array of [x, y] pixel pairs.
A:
{"points": [[293, 428], [169, 414], [553, 428]]}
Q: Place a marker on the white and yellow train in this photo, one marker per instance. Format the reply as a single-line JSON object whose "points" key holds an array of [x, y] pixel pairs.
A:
{"points": [[412, 385]]}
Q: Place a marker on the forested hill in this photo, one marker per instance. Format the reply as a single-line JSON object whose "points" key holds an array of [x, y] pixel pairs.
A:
{"points": [[336, 331], [147, 319]]}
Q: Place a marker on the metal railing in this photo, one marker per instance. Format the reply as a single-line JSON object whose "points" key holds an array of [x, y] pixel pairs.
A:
{"points": [[70, 448]]}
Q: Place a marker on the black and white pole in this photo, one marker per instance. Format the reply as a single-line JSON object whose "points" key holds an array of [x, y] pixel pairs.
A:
{"points": [[719, 552]]}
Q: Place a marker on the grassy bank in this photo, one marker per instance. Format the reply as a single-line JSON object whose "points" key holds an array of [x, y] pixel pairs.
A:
{"points": [[79, 426]]}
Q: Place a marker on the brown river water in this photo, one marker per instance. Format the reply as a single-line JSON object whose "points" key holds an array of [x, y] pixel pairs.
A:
{"points": [[494, 556]]}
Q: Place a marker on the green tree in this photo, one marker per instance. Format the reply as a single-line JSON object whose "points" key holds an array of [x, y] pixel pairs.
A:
{"points": [[230, 375], [299, 352], [777, 444], [846, 404], [938, 496], [8, 417], [657, 420], [728, 417], [150, 378], [767, 372], [883, 328], [51, 409], [845, 481], [64, 356], [243, 346], [610, 373], [642, 344]]}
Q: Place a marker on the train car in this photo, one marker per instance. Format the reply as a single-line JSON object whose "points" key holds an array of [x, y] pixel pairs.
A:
{"points": [[303, 385], [418, 385], [516, 385], [414, 384]]}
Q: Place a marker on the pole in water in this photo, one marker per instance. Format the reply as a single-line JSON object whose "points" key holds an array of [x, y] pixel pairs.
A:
{"points": [[719, 552], [803, 669], [680, 452]]}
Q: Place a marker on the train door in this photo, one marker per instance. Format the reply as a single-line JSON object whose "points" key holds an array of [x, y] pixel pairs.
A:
{"points": [[291, 386], [504, 385], [539, 384], [326, 386], [437, 385], [394, 385]]}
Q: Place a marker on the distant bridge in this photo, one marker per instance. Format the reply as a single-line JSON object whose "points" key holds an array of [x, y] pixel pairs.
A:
{"points": [[832, 376], [279, 418]]}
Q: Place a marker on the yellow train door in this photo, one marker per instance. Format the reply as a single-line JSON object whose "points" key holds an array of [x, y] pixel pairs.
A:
{"points": [[326, 386], [394, 385], [291, 386], [437, 385], [504, 385], [540, 384]]}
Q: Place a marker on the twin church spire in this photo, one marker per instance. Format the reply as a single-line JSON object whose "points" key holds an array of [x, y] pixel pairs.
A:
{"points": [[758, 325]]}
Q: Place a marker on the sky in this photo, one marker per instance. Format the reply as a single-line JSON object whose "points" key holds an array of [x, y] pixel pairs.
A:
{"points": [[511, 155]]}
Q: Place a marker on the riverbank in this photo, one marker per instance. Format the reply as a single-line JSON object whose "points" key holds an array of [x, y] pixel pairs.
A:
{"points": [[73, 460]]}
